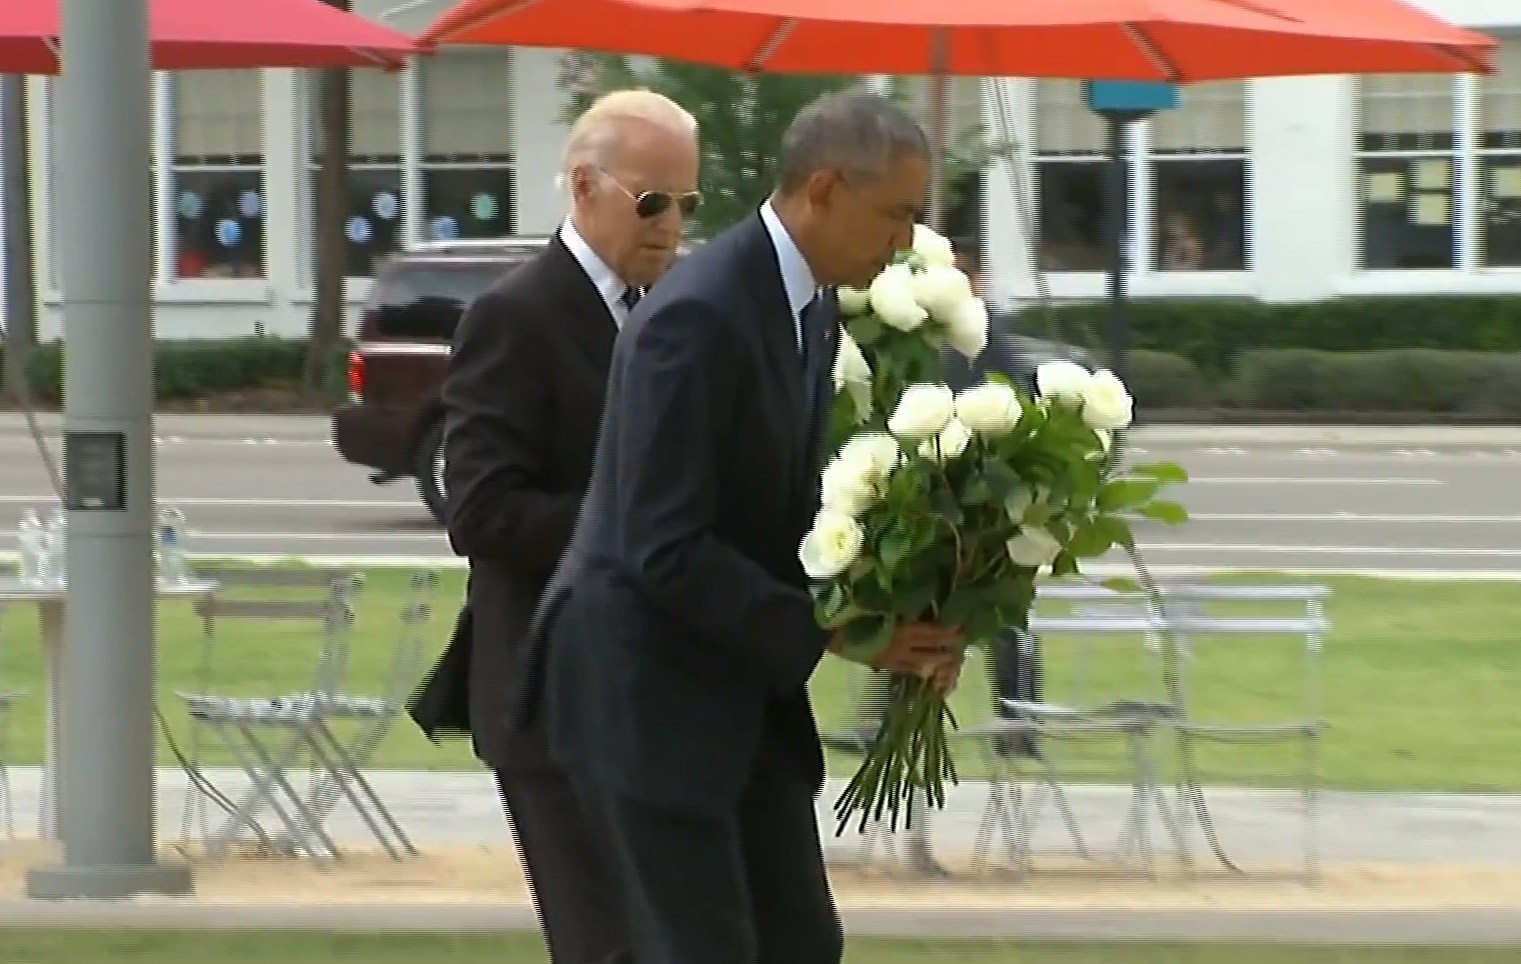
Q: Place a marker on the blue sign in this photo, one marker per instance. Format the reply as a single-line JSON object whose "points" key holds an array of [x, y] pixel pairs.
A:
{"points": [[444, 229], [1130, 96], [190, 205], [229, 233], [250, 204], [385, 205], [358, 230]]}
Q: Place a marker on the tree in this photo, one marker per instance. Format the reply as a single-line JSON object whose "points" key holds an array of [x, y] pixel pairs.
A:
{"points": [[332, 208], [742, 118]]}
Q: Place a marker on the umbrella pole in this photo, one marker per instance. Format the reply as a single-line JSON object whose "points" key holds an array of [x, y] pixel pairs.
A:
{"points": [[1116, 324]]}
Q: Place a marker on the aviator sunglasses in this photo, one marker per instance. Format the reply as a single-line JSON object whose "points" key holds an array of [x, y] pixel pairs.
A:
{"points": [[652, 204]]}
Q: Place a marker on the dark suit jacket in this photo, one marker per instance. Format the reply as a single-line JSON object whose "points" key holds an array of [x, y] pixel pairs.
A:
{"points": [[523, 398], [675, 642]]}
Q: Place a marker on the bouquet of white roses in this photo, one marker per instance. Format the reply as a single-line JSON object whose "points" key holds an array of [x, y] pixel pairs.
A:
{"points": [[945, 507]]}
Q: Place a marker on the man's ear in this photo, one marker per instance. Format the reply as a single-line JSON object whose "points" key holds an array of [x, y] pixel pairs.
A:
{"points": [[822, 188], [580, 182]]}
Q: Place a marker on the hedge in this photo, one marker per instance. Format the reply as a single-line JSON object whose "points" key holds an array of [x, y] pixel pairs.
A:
{"points": [[1397, 381], [1215, 334], [194, 369]]}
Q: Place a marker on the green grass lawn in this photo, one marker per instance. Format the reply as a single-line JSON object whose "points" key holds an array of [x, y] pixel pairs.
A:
{"points": [[36, 947], [1420, 682]]}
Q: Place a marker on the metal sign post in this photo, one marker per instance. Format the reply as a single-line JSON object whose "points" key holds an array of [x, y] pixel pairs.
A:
{"points": [[1122, 103], [103, 224]]}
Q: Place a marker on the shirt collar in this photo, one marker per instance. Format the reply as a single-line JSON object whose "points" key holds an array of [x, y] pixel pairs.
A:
{"points": [[608, 284], [797, 277]]}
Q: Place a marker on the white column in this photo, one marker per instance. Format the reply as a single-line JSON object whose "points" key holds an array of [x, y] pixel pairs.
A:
{"points": [[284, 172], [1467, 210], [164, 261], [413, 210], [1303, 206], [538, 138], [1010, 198]]}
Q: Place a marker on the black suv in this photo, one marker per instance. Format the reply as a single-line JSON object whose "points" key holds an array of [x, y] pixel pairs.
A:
{"points": [[393, 423]]}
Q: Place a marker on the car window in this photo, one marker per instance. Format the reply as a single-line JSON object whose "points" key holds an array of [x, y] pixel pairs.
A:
{"points": [[419, 301]]}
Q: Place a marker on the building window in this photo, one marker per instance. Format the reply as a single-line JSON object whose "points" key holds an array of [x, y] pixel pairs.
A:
{"points": [[217, 179], [1199, 179], [467, 162], [1406, 171], [1499, 169], [373, 215], [1071, 148]]}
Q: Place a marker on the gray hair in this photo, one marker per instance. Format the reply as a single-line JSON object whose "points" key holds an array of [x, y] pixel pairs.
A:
{"points": [[855, 132]]}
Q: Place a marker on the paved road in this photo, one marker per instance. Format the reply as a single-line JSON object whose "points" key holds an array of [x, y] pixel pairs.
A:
{"points": [[1398, 499]]}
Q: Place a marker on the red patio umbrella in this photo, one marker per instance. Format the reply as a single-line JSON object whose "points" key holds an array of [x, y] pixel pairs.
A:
{"points": [[224, 34], [1182, 41]]}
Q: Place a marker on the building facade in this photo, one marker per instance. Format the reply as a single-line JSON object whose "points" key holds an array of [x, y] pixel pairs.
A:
{"points": [[1283, 189]]}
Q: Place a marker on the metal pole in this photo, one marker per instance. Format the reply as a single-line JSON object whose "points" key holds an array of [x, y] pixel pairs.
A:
{"points": [[20, 311], [939, 85], [1117, 325], [105, 253]]}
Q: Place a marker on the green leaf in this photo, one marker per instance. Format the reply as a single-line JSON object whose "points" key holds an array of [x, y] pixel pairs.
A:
{"points": [[1091, 539], [1161, 471], [1065, 564], [1169, 512], [865, 640], [893, 548], [865, 329], [1121, 584], [1124, 493], [1118, 531]]}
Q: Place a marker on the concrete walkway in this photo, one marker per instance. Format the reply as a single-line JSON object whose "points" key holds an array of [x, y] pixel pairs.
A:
{"points": [[1261, 826], [1400, 868]]}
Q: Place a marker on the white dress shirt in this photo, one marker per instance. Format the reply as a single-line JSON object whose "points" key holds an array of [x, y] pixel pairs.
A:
{"points": [[608, 285], [797, 277]]}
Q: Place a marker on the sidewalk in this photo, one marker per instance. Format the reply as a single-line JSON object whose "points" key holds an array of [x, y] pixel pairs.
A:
{"points": [[1397, 868]]}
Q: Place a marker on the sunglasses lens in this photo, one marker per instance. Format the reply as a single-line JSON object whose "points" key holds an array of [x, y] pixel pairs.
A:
{"points": [[652, 204], [688, 203]]}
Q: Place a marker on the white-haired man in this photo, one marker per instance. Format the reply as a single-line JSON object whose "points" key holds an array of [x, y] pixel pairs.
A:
{"points": [[523, 399]]}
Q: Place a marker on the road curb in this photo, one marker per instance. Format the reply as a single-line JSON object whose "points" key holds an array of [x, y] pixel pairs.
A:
{"points": [[1489, 926]]}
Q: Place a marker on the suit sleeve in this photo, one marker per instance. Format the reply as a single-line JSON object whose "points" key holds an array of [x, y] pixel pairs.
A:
{"points": [[497, 439], [679, 384]]}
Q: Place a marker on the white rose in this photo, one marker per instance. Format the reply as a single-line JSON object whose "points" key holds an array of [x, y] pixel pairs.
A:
{"points": [[849, 488], [949, 444], [1018, 502], [932, 247], [1105, 437], [831, 545], [892, 298], [853, 301], [852, 374], [1106, 403], [1062, 381], [1033, 547], [875, 454], [922, 412], [991, 408], [940, 290], [967, 327]]}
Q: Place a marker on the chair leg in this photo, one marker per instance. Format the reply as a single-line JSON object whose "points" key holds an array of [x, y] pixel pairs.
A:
{"points": [[347, 775]]}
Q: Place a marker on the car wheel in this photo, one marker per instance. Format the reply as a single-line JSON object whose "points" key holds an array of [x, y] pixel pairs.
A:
{"points": [[428, 466]]}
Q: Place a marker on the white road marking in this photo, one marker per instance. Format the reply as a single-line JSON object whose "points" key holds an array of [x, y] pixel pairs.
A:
{"points": [[1206, 548], [248, 503], [1353, 517], [1307, 480]]}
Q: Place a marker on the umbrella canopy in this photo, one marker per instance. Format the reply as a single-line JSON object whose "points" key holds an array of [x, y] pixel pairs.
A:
{"points": [[1182, 41], [225, 34]]}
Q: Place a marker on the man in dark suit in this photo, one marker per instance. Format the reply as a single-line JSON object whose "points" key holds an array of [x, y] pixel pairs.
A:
{"points": [[523, 397], [671, 650]]}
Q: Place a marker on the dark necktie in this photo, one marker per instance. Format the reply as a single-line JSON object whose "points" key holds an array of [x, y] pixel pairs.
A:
{"points": [[630, 297]]}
